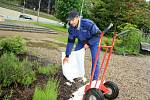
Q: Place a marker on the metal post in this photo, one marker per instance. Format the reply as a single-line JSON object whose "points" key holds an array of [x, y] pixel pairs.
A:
{"points": [[23, 6], [48, 8], [39, 10], [81, 8], [80, 15]]}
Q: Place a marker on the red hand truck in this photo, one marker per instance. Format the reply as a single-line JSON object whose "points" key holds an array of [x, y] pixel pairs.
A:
{"points": [[106, 89]]}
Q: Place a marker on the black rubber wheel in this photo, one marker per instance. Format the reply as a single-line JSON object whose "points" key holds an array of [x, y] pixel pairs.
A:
{"points": [[113, 88], [94, 94]]}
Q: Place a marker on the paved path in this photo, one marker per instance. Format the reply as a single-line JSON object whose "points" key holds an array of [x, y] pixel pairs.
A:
{"points": [[14, 15]]}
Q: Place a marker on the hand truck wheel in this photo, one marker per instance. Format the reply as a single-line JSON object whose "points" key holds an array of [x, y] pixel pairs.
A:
{"points": [[94, 94], [113, 90]]}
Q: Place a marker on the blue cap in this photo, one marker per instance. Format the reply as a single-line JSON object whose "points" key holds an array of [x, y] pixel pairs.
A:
{"points": [[72, 15]]}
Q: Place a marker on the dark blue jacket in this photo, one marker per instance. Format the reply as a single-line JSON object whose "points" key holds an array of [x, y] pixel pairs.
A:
{"points": [[89, 34]]}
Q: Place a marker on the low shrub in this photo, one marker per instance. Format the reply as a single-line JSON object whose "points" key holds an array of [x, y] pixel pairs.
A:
{"points": [[14, 44], [130, 41], [12, 70]]}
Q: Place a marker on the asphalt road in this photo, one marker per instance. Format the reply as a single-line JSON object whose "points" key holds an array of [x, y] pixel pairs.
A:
{"points": [[14, 15]]}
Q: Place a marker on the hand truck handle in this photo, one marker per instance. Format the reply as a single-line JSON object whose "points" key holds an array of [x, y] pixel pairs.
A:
{"points": [[123, 32], [111, 25]]}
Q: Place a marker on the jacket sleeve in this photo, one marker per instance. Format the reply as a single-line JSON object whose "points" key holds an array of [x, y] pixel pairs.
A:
{"points": [[70, 43]]}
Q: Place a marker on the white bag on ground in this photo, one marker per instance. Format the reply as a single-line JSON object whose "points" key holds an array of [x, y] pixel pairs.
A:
{"points": [[75, 66]]}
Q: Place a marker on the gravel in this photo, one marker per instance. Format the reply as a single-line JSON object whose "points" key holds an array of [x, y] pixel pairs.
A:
{"points": [[130, 73]]}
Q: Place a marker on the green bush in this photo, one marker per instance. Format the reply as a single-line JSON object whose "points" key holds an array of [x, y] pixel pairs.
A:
{"points": [[130, 41], [8, 64], [106, 41], [49, 92], [14, 44], [25, 74], [12, 70]]}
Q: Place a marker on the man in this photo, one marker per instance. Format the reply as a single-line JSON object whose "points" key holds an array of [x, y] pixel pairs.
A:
{"points": [[88, 35]]}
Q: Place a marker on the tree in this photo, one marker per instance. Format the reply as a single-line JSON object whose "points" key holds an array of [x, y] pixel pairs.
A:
{"points": [[100, 14], [120, 11], [46, 5], [87, 5]]}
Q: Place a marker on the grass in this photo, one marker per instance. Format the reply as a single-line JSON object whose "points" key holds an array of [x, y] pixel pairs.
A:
{"points": [[50, 26], [50, 92], [10, 7], [62, 39], [41, 14], [2, 37], [18, 21], [48, 70]]}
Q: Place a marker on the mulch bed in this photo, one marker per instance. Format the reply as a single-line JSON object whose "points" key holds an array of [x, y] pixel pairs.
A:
{"points": [[17, 91]]}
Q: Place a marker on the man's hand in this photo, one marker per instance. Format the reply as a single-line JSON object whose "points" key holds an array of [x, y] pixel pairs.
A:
{"points": [[86, 46], [66, 59]]}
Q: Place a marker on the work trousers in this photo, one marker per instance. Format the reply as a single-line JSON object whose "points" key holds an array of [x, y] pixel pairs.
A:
{"points": [[93, 49]]}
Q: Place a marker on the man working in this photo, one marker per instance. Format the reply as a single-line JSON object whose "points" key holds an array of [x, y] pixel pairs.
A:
{"points": [[88, 35]]}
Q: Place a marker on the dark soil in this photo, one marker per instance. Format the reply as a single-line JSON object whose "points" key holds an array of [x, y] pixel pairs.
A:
{"points": [[17, 91], [20, 92], [65, 91]]}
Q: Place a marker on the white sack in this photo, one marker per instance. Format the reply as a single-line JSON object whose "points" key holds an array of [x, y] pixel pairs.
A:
{"points": [[75, 66]]}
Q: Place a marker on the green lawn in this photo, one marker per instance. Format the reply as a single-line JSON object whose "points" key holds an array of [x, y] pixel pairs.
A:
{"points": [[50, 26], [42, 14]]}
